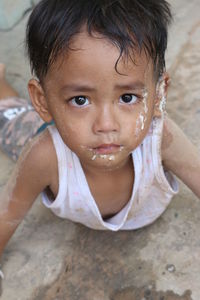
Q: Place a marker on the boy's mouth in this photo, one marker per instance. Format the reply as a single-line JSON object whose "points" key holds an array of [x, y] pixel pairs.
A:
{"points": [[107, 149]]}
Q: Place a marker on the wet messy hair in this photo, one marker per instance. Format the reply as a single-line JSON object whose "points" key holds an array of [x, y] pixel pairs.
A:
{"points": [[131, 25]]}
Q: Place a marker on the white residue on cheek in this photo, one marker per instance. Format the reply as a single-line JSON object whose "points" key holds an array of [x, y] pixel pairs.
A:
{"points": [[145, 97], [139, 124], [142, 120], [162, 105]]}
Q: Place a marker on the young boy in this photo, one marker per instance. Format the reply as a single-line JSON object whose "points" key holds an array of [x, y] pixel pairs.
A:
{"points": [[100, 77]]}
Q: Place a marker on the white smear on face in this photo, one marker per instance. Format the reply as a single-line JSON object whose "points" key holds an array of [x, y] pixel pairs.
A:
{"points": [[112, 157], [145, 97], [161, 92], [137, 127], [142, 120], [140, 123], [104, 156], [107, 156], [94, 157]]}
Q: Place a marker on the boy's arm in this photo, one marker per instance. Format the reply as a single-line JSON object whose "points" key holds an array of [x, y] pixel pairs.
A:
{"points": [[180, 156], [30, 176]]}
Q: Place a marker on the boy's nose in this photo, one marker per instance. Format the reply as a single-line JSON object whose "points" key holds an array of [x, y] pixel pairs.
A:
{"points": [[106, 121]]}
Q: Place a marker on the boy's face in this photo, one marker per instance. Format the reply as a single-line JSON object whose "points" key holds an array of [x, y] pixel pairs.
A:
{"points": [[100, 114]]}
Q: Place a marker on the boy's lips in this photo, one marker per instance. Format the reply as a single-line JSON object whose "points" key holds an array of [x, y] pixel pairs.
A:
{"points": [[107, 149]]}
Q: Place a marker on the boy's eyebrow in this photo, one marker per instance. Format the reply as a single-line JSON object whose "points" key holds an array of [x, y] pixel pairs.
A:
{"points": [[86, 88], [131, 86]]}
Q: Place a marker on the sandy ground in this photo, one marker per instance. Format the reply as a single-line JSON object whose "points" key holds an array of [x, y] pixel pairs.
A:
{"points": [[52, 259]]}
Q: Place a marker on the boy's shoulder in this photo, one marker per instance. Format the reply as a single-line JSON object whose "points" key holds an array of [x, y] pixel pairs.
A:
{"points": [[40, 155], [41, 146]]}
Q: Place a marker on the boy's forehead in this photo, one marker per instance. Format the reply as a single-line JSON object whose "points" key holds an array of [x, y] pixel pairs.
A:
{"points": [[96, 42], [87, 52]]}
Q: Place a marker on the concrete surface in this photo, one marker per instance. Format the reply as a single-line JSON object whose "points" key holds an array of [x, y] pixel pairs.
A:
{"points": [[53, 259]]}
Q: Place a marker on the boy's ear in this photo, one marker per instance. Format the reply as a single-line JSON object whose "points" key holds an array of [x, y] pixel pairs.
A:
{"points": [[161, 94], [38, 100]]}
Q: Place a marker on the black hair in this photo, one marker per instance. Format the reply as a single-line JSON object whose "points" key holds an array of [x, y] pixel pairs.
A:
{"points": [[129, 24]]}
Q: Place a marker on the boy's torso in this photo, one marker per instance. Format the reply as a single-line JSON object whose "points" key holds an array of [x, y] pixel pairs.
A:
{"points": [[79, 198]]}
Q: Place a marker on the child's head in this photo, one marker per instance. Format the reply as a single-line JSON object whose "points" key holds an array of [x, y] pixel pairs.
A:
{"points": [[129, 24], [98, 63]]}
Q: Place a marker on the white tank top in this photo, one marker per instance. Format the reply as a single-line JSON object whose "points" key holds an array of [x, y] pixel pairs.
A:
{"points": [[152, 191]]}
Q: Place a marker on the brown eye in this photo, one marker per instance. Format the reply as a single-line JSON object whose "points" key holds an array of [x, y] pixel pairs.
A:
{"points": [[79, 101], [128, 99]]}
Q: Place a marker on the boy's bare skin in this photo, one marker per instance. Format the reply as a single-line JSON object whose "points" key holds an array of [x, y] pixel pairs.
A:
{"points": [[180, 156], [105, 127]]}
